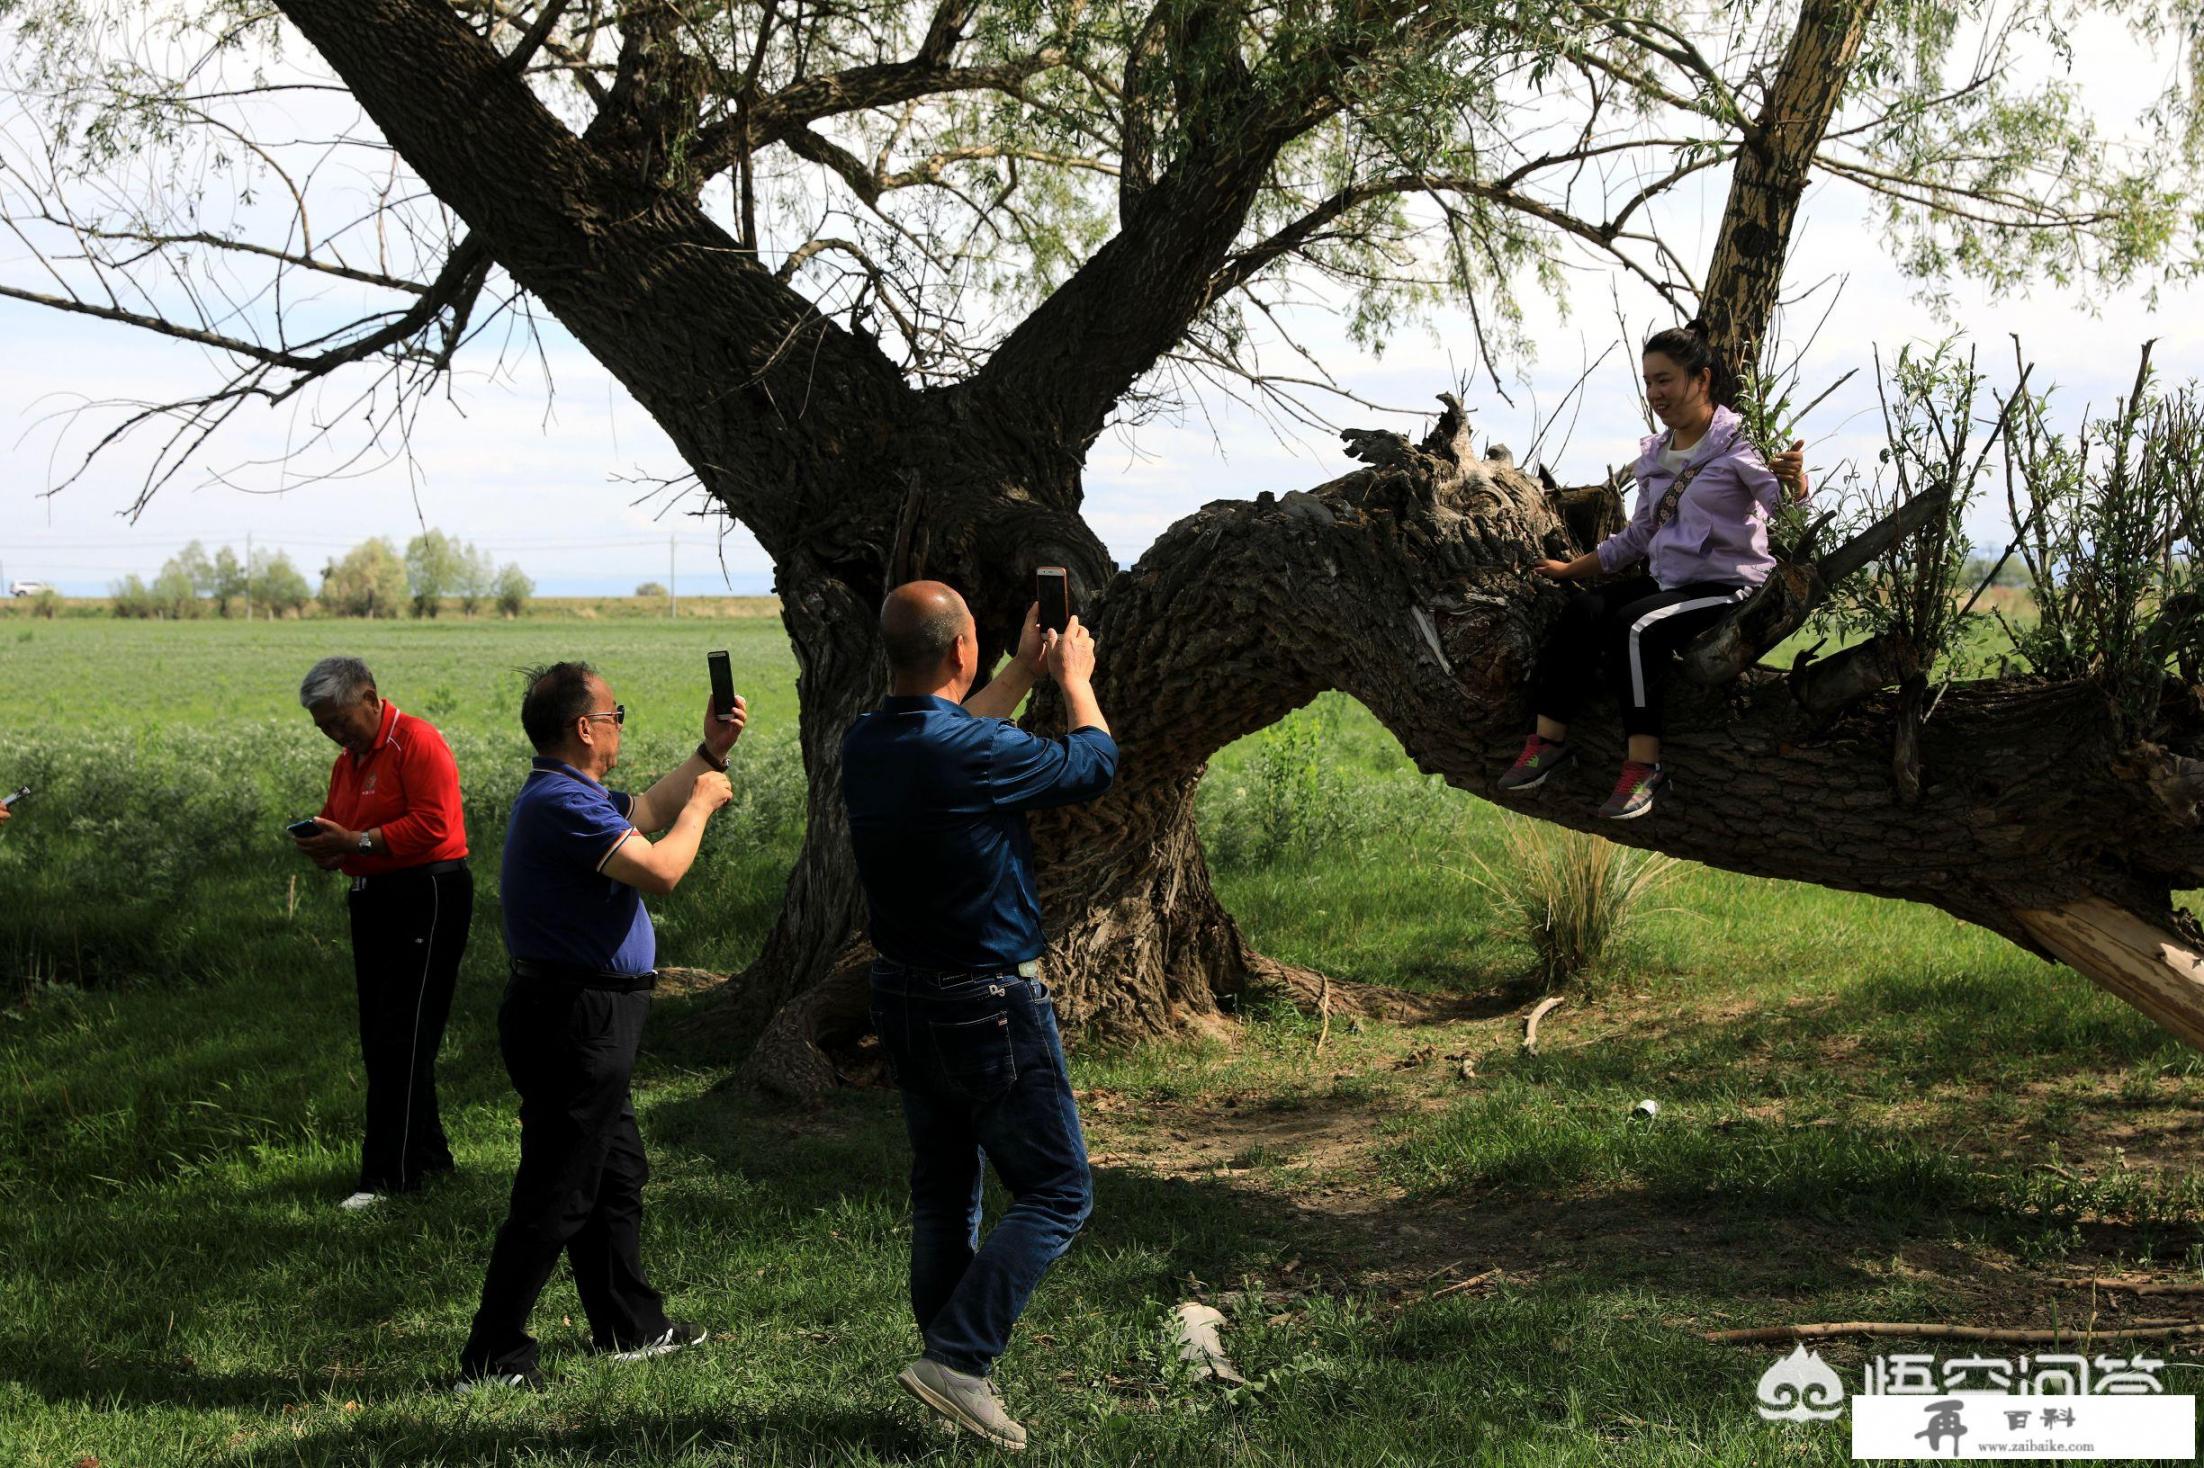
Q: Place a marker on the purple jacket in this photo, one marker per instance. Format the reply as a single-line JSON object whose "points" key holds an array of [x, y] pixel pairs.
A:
{"points": [[1720, 530]]}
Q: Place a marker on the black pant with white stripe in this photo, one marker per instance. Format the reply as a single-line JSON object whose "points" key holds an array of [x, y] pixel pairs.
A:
{"points": [[1625, 632], [408, 934]]}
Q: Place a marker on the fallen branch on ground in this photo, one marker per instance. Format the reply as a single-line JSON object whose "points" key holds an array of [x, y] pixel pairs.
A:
{"points": [[1463, 1284], [1530, 1026], [2146, 1286]]}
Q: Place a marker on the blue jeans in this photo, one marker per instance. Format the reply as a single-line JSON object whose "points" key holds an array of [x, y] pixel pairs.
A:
{"points": [[981, 1068]]}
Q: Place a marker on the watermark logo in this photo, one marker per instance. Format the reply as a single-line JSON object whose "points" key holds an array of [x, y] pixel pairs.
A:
{"points": [[2047, 1406], [2012, 1425], [1801, 1388]]}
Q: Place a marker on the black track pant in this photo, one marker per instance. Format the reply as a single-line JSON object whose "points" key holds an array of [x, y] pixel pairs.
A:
{"points": [[579, 1189], [1625, 632], [408, 934]]}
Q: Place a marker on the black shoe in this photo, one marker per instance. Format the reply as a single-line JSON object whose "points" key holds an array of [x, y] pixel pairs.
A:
{"points": [[528, 1379], [675, 1336]]}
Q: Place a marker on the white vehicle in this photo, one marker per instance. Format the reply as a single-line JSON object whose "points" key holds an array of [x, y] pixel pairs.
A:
{"points": [[28, 588]]}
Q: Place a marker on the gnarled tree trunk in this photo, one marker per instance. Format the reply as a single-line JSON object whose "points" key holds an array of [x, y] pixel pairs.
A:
{"points": [[1400, 584]]}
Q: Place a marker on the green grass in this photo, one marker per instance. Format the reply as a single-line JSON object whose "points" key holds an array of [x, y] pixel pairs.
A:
{"points": [[166, 758], [1867, 1111]]}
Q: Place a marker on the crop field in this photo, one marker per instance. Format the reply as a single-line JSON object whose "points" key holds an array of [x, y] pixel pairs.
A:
{"points": [[1430, 1246]]}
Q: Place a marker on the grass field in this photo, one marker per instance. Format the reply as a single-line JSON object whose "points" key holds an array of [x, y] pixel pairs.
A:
{"points": [[1867, 1112]]}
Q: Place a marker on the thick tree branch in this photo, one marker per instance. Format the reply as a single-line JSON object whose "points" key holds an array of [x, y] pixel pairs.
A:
{"points": [[734, 364], [784, 116], [1769, 180]]}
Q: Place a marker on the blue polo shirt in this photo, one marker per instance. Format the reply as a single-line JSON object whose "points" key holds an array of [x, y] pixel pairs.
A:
{"points": [[559, 905], [937, 800]]}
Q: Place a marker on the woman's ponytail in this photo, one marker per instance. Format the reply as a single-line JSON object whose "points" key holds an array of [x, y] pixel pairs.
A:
{"points": [[1688, 347]]}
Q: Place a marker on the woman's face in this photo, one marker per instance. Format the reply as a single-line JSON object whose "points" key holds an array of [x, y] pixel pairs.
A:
{"points": [[1677, 397]]}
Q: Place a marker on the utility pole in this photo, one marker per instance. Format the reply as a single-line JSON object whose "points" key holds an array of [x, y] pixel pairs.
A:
{"points": [[673, 597], [248, 575]]}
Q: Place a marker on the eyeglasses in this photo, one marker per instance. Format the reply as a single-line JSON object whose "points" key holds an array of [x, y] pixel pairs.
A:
{"points": [[619, 714]]}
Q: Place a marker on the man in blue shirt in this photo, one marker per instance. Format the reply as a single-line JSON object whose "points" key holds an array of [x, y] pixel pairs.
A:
{"points": [[582, 950], [937, 787]]}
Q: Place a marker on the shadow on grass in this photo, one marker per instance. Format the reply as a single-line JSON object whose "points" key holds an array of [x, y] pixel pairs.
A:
{"points": [[1541, 1172], [627, 1433]]}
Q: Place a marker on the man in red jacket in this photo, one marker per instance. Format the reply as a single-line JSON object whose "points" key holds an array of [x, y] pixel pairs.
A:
{"points": [[393, 824]]}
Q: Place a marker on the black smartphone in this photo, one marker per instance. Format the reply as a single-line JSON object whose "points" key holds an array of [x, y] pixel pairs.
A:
{"points": [[723, 684], [10, 800], [300, 830], [1052, 589]]}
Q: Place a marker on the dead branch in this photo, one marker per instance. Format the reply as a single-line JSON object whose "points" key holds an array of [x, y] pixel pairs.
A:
{"points": [[1530, 1026]]}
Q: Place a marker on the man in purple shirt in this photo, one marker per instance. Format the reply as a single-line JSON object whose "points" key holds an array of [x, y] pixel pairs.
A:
{"points": [[937, 785]]}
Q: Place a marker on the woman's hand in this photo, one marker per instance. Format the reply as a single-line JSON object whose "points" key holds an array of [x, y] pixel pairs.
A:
{"points": [[1551, 570], [1789, 468]]}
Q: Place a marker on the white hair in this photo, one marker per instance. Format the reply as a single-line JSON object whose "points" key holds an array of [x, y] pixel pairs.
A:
{"points": [[334, 680]]}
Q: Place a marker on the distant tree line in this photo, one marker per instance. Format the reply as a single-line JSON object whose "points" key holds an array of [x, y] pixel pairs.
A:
{"points": [[370, 580]]}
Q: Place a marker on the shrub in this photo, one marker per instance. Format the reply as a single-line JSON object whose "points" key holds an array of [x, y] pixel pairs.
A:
{"points": [[1570, 894], [369, 582], [2109, 538], [277, 587], [129, 597], [513, 590]]}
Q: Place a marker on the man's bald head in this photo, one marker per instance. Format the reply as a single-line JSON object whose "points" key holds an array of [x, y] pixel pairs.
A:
{"points": [[920, 622]]}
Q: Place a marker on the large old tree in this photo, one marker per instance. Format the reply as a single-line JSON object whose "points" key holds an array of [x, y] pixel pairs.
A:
{"points": [[885, 273]]}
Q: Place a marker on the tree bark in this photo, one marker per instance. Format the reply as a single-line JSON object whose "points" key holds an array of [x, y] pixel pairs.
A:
{"points": [[1770, 174], [1405, 586]]}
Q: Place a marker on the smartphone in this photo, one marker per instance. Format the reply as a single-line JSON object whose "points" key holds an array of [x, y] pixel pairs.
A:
{"points": [[10, 800], [1052, 589], [300, 830], [723, 684]]}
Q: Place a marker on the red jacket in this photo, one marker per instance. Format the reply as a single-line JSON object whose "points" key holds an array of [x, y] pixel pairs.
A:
{"points": [[408, 785]]}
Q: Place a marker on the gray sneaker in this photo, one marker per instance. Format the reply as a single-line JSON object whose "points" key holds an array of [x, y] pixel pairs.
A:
{"points": [[1635, 792], [1539, 759], [967, 1401]]}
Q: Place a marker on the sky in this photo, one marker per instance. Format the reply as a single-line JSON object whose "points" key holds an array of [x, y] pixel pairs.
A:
{"points": [[554, 483]]}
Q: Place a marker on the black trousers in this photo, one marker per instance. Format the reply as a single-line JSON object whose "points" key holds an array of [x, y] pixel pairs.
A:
{"points": [[1625, 633], [408, 934], [579, 1189]]}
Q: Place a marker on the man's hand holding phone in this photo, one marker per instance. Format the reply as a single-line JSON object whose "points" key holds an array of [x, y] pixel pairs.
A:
{"points": [[323, 841], [721, 733], [1034, 641], [1069, 657], [1071, 664]]}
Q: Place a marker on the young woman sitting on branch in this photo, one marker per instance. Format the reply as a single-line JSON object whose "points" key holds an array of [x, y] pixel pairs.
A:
{"points": [[1704, 499]]}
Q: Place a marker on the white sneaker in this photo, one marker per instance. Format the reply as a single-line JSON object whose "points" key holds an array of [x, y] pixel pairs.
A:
{"points": [[968, 1401], [675, 1336], [359, 1201], [530, 1380]]}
